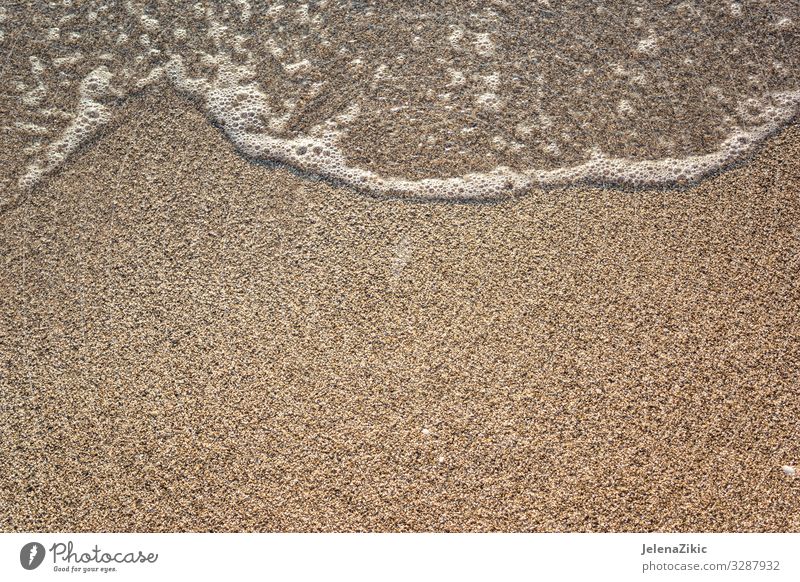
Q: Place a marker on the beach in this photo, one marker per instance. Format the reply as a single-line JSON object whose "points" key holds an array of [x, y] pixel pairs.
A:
{"points": [[192, 340]]}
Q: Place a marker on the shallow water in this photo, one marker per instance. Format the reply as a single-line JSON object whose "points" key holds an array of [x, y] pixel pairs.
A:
{"points": [[427, 99]]}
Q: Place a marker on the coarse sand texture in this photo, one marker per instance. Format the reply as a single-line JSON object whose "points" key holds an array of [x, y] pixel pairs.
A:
{"points": [[191, 340]]}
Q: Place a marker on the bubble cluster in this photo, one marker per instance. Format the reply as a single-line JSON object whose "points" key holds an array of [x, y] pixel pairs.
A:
{"points": [[481, 100], [90, 115]]}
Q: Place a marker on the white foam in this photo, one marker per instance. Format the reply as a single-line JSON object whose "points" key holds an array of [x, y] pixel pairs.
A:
{"points": [[229, 90], [488, 100], [90, 115], [299, 66], [484, 45], [648, 45], [457, 78]]}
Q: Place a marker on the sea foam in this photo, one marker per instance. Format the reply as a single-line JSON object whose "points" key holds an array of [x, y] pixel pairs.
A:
{"points": [[450, 100]]}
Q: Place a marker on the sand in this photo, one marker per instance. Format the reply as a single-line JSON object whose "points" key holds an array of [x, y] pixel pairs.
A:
{"points": [[191, 341]]}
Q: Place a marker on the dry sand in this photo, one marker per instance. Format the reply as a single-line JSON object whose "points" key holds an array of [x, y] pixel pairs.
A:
{"points": [[190, 341]]}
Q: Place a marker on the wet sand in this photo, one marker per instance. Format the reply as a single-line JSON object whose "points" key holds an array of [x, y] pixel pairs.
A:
{"points": [[190, 341]]}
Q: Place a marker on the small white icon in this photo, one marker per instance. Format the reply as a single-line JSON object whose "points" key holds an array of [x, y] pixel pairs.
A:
{"points": [[32, 555]]}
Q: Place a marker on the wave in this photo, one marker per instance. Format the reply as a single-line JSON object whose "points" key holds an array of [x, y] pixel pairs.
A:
{"points": [[420, 99]]}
